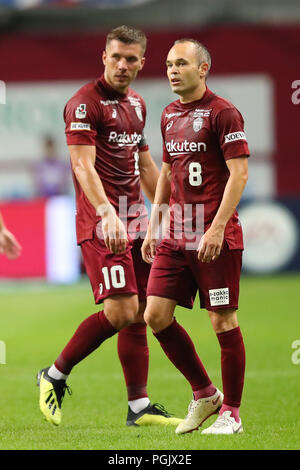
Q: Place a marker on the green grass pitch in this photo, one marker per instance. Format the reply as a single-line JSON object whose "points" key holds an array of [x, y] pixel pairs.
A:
{"points": [[37, 320]]}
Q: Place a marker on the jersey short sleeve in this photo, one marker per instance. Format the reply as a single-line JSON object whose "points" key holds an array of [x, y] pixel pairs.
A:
{"points": [[231, 135], [166, 156], [143, 145], [81, 115]]}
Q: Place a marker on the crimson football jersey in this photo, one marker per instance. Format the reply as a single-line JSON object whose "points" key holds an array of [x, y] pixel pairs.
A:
{"points": [[114, 123], [198, 138]]}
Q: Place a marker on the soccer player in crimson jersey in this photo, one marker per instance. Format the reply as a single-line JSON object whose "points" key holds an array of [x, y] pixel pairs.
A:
{"points": [[110, 159], [204, 167]]}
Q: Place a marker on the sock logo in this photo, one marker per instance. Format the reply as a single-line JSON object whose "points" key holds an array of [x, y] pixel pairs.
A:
{"points": [[219, 296]]}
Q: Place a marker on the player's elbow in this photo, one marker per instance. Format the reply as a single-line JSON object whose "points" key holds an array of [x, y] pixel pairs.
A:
{"points": [[79, 168], [244, 176]]}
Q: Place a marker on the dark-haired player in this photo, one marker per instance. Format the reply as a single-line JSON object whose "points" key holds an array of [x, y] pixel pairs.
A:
{"points": [[204, 169], [110, 159]]}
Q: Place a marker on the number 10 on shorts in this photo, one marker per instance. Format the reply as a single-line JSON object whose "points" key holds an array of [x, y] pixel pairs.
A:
{"points": [[114, 276]]}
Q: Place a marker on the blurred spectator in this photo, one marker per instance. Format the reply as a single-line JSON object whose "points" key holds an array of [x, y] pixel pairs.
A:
{"points": [[52, 175]]}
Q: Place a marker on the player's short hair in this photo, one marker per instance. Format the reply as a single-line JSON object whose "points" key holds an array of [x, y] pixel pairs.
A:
{"points": [[128, 35], [202, 52]]}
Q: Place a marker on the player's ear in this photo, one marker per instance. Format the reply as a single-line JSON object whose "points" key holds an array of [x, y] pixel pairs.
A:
{"points": [[203, 69], [142, 62], [104, 57]]}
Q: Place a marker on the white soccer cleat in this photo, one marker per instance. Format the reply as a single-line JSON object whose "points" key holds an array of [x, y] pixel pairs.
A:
{"points": [[224, 424], [199, 411]]}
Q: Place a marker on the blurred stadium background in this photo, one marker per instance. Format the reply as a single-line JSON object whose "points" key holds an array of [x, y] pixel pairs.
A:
{"points": [[50, 48]]}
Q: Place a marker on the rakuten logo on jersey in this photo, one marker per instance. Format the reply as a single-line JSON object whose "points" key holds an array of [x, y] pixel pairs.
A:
{"points": [[185, 147], [235, 136], [128, 140]]}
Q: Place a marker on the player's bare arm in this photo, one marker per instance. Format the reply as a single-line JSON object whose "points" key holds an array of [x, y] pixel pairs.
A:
{"points": [[83, 160], [149, 174], [211, 243], [8, 243], [162, 196]]}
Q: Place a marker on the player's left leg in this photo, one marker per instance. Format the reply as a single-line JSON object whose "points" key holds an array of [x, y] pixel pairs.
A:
{"points": [[225, 325], [134, 356]]}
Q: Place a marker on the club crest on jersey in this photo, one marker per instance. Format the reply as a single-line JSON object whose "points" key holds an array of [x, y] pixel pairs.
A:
{"points": [[198, 116], [80, 112], [139, 114], [197, 124]]}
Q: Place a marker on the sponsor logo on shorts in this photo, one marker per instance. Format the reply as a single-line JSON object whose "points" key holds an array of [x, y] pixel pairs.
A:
{"points": [[233, 136], [80, 126], [219, 296], [80, 112]]}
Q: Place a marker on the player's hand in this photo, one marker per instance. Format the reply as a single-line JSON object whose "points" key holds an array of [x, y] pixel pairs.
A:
{"points": [[9, 245], [210, 245], [149, 249], [114, 233]]}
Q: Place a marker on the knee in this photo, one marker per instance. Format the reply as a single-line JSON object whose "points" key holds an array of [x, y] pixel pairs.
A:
{"points": [[154, 319], [123, 314], [224, 320]]}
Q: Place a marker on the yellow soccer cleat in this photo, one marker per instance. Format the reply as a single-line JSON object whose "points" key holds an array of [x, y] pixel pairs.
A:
{"points": [[152, 414], [52, 393]]}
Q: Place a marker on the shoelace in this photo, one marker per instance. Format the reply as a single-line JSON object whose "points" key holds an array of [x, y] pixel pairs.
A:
{"points": [[60, 392], [223, 420], [191, 408], [161, 409]]}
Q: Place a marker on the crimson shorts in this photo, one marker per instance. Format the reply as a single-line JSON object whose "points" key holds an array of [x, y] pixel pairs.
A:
{"points": [[177, 274], [111, 274]]}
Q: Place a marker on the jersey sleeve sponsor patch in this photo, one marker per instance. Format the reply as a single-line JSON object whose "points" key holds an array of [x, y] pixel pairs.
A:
{"points": [[233, 142], [233, 136], [80, 111], [82, 116], [80, 126]]}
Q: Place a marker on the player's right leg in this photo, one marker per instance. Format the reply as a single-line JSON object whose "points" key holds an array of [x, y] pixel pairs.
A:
{"points": [[118, 312]]}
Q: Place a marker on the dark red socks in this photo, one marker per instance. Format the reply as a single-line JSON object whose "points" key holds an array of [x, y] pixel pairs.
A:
{"points": [[233, 368], [134, 356], [89, 335], [180, 349]]}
